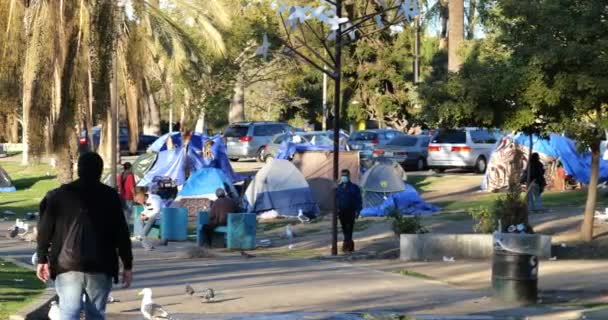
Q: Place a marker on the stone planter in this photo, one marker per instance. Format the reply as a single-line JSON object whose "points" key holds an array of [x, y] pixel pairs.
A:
{"points": [[429, 246]]}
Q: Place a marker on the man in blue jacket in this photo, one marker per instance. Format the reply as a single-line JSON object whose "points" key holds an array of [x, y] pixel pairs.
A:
{"points": [[349, 205]]}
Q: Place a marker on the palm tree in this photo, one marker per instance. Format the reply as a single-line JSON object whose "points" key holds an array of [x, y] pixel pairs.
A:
{"points": [[456, 34]]}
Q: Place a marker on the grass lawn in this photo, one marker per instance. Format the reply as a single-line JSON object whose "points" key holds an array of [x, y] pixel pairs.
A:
{"points": [[32, 183], [18, 287], [550, 199]]}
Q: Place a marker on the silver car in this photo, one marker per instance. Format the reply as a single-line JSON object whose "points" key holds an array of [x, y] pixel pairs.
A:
{"points": [[467, 148], [366, 141], [408, 150], [249, 139]]}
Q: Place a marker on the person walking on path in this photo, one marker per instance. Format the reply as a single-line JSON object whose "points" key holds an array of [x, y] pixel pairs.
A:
{"points": [[126, 188], [152, 204], [218, 214], [349, 205], [81, 235], [536, 184]]}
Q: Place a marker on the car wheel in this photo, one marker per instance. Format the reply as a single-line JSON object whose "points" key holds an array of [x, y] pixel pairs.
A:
{"points": [[481, 165], [420, 164], [439, 170], [234, 159]]}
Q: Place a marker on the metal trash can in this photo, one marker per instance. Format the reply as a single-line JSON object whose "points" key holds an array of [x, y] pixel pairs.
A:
{"points": [[515, 277]]}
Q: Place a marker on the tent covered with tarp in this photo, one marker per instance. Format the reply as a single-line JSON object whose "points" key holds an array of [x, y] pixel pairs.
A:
{"points": [[6, 184], [552, 149], [205, 182], [317, 169], [381, 181], [196, 151], [280, 187], [407, 202]]}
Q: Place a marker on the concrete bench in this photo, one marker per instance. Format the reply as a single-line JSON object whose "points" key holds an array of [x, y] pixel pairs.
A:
{"points": [[238, 234]]}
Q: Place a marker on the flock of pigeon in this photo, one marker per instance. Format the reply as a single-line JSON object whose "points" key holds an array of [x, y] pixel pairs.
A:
{"points": [[154, 311]]}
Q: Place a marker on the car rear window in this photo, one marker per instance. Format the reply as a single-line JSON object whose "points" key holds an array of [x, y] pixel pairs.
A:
{"points": [[451, 136], [268, 130], [236, 131], [363, 136], [403, 142]]}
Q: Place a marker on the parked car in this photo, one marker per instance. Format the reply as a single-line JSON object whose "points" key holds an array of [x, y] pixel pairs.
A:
{"points": [[322, 139], [367, 140], [468, 148], [123, 140], [249, 139], [408, 150]]}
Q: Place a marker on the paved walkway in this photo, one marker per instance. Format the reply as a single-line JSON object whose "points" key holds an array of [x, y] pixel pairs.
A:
{"points": [[265, 288]]}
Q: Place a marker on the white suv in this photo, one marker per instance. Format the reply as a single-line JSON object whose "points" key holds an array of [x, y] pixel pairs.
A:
{"points": [[468, 148]]}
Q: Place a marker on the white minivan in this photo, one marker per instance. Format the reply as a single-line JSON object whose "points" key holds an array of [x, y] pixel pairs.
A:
{"points": [[466, 148]]}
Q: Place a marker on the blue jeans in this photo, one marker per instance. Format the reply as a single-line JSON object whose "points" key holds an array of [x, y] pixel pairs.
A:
{"points": [[72, 285], [535, 202]]}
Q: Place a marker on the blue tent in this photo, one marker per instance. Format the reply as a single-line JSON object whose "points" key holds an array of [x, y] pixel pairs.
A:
{"points": [[407, 202], [279, 186], [6, 185], [204, 183], [170, 163], [220, 157]]}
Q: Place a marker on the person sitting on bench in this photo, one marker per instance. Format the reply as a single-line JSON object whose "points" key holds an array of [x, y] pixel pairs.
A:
{"points": [[152, 204], [218, 215]]}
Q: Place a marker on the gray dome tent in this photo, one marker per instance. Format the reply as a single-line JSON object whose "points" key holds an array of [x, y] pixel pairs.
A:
{"points": [[279, 186], [6, 184], [380, 181]]}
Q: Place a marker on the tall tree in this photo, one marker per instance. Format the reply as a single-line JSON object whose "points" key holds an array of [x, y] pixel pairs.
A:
{"points": [[456, 34]]}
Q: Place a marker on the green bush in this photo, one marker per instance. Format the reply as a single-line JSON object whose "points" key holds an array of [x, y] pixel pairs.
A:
{"points": [[486, 219], [405, 224]]}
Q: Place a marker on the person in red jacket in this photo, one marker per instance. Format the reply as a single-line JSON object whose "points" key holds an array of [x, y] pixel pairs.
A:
{"points": [[126, 188]]}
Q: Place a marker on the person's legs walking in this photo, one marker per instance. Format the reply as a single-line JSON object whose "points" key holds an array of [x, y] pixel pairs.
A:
{"points": [[98, 287], [70, 286]]}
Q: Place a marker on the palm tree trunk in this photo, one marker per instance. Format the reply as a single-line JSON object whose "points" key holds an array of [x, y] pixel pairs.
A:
{"points": [[154, 110], [443, 40], [132, 105], [14, 129], [456, 34], [587, 226]]}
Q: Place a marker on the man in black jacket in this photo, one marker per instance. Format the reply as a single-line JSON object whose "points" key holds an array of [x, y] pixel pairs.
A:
{"points": [[81, 234]]}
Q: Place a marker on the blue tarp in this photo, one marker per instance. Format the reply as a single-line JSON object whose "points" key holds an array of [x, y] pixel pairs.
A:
{"points": [[204, 182], [220, 157], [408, 202], [170, 163], [8, 189], [576, 164]]}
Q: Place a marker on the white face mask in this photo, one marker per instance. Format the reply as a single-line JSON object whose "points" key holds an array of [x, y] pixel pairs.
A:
{"points": [[344, 179]]}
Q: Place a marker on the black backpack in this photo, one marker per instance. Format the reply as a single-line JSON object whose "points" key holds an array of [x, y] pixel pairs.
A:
{"points": [[80, 248]]}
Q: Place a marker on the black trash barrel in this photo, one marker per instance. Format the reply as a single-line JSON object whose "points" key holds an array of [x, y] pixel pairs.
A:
{"points": [[515, 277]]}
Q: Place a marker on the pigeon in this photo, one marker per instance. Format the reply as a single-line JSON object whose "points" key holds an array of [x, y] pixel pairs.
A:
{"points": [[54, 311], [189, 290], [35, 259], [151, 310], [247, 255], [13, 232], [30, 236], [302, 217], [208, 295], [289, 234], [24, 229]]}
